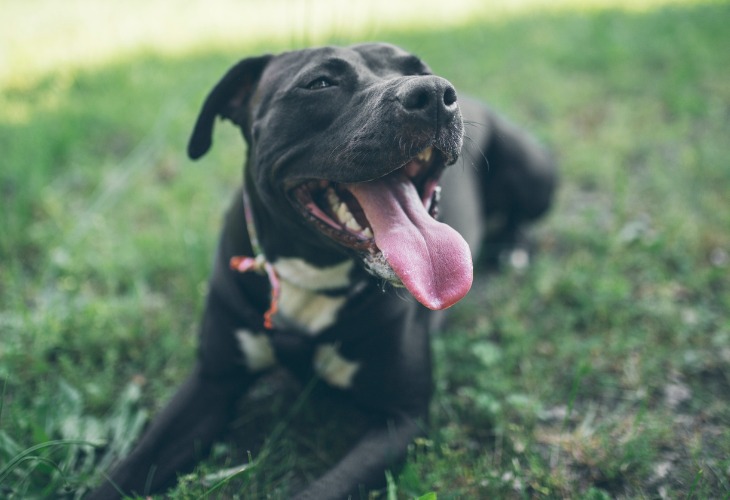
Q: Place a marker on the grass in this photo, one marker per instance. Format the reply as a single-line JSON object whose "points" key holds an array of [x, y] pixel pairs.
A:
{"points": [[600, 371]]}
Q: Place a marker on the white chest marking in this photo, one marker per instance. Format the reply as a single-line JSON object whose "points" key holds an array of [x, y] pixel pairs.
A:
{"points": [[333, 368], [304, 275], [299, 300], [257, 350]]}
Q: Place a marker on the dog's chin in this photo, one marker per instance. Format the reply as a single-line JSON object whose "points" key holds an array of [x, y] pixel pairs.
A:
{"points": [[378, 266], [333, 210]]}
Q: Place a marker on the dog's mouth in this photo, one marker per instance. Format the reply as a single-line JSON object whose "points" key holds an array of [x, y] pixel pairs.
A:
{"points": [[391, 222], [335, 210]]}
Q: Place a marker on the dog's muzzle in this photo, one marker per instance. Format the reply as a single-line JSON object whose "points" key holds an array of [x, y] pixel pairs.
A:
{"points": [[391, 223]]}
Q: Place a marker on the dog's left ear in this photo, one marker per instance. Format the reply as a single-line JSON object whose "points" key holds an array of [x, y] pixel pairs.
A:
{"points": [[230, 95]]}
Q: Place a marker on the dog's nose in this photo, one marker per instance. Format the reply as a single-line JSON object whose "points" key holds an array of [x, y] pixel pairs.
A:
{"points": [[428, 97]]}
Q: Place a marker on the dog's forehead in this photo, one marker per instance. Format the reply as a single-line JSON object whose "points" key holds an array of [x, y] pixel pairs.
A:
{"points": [[386, 56], [378, 58]]}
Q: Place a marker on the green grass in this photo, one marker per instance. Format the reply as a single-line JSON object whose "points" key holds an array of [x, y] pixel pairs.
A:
{"points": [[601, 371]]}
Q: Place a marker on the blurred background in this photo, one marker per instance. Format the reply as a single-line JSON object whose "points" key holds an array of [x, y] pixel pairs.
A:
{"points": [[598, 368]]}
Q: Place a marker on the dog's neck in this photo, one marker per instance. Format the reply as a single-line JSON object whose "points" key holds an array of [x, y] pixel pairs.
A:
{"points": [[279, 237], [312, 283]]}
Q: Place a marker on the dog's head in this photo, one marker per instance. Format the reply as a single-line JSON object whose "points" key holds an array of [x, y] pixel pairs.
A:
{"points": [[355, 140]]}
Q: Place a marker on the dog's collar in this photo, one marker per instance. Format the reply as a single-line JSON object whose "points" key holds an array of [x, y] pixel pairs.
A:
{"points": [[258, 263]]}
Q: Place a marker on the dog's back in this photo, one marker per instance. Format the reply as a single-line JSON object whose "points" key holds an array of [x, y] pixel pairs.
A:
{"points": [[503, 180]]}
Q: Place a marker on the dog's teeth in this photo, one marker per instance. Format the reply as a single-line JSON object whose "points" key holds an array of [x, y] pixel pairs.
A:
{"points": [[367, 232], [425, 155], [347, 219], [343, 213], [353, 225], [332, 198]]}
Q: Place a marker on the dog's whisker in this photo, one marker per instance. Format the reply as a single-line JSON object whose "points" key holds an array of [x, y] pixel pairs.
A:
{"points": [[402, 294], [474, 124], [479, 149]]}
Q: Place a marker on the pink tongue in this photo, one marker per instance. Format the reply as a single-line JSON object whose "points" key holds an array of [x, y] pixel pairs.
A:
{"points": [[432, 260]]}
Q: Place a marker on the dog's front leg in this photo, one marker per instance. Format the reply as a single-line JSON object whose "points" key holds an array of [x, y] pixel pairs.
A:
{"points": [[393, 384], [363, 468], [177, 437]]}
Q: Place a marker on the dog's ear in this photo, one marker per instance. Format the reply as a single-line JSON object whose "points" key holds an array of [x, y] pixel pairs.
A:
{"points": [[227, 98]]}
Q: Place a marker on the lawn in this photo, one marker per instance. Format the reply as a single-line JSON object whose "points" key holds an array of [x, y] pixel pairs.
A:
{"points": [[601, 370]]}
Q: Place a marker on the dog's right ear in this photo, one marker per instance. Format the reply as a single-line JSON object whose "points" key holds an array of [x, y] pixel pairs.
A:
{"points": [[228, 97]]}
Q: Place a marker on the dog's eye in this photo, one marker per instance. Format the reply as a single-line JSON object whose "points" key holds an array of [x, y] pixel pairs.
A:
{"points": [[320, 83]]}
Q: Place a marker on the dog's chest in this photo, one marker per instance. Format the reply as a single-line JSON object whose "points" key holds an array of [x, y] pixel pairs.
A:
{"points": [[304, 303]]}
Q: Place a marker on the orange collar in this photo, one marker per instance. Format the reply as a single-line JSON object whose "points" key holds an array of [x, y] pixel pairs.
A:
{"points": [[258, 263]]}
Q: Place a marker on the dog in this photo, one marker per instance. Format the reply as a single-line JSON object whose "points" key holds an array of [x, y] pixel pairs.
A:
{"points": [[350, 197]]}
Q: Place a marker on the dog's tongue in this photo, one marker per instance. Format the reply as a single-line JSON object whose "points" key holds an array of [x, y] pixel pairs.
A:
{"points": [[432, 260]]}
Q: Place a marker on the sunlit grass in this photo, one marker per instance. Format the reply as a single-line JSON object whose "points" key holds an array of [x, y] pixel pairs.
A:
{"points": [[42, 35]]}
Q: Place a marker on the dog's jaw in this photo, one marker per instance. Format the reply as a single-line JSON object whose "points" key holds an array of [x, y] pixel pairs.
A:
{"points": [[332, 207], [386, 222], [376, 264]]}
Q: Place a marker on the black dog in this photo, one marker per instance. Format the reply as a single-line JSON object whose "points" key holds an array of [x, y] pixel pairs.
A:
{"points": [[349, 154]]}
